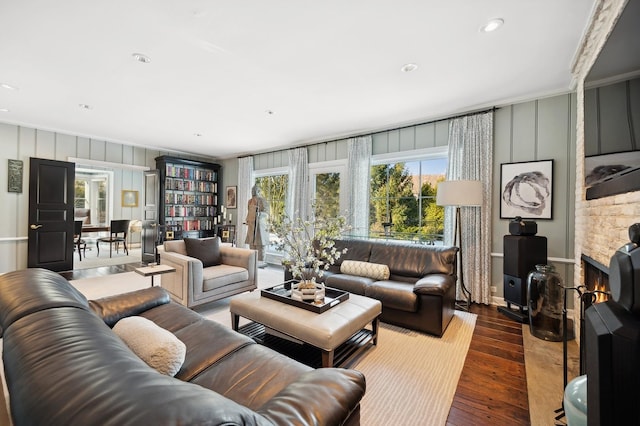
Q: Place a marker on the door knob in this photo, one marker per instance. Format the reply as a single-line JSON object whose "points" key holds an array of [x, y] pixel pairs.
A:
{"points": [[35, 226]]}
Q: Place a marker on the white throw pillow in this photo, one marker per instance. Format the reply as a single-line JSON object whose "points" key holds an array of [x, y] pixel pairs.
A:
{"points": [[375, 271], [158, 347]]}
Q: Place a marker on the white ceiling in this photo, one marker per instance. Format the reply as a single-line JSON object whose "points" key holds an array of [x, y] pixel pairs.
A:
{"points": [[325, 69]]}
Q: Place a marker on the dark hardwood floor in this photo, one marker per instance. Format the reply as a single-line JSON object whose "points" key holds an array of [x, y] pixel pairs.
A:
{"points": [[493, 385]]}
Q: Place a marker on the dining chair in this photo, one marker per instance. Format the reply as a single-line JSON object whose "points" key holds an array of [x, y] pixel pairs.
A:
{"points": [[117, 234], [78, 242]]}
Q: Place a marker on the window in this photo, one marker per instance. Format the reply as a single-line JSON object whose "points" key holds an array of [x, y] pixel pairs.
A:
{"points": [[274, 190], [403, 200], [91, 192]]}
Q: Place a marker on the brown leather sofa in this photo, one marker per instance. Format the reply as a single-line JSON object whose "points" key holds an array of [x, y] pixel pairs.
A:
{"points": [[64, 365], [420, 293]]}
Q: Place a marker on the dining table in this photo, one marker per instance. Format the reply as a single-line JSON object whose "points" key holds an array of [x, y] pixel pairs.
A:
{"points": [[95, 228]]}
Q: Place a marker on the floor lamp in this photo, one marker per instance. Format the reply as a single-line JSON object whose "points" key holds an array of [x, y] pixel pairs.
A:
{"points": [[460, 193]]}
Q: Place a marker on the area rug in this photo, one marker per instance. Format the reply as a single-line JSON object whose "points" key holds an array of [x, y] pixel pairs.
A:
{"points": [[108, 285], [545, 375], [411, 377], [92, 260]]}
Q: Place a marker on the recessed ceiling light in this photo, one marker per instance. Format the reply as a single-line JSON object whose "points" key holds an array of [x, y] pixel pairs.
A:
{"points": [[492, 25], [8, 86], [197, 134], [4, 110], [269, 112], [84, 106], [409, 67], [141, 58]]}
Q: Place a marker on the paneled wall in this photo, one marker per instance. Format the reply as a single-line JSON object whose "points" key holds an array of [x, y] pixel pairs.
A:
{"points": [[537, 130], [612, 118], [543, 129], [21, 143], [412, 138], [270, 160]]}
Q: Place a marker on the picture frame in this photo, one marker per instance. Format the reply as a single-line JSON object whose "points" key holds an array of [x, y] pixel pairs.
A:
{"points": [[232, 192], [526, 190], [14, 175], [129, 198]]}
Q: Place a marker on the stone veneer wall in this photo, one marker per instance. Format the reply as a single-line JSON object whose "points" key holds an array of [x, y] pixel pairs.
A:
{"points": [[606, 224], [601, 224]]}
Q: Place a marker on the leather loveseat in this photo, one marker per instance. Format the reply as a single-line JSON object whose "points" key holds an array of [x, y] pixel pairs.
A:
{"points": [[420, 291], [64, 365]]}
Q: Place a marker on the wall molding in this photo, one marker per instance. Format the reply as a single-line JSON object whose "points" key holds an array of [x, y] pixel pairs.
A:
{"points": [[97, 163], [565, 260]]}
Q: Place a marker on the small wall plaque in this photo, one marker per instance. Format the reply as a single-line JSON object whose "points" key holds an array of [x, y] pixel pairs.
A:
{"points": [[15, 176], [129, 198]]}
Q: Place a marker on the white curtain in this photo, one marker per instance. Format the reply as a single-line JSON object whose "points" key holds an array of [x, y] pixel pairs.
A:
{"points": [[471, 158], [359, 166], [297, 204], [245, 182]]}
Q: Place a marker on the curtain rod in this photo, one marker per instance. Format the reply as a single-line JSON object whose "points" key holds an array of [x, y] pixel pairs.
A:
{"points": [[466, 114]]}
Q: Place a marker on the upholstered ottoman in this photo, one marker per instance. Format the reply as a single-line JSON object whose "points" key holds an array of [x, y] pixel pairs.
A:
{"points": [[325, 331]]}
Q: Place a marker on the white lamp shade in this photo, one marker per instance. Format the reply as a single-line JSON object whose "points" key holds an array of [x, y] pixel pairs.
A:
{"points": [[459, 193]]}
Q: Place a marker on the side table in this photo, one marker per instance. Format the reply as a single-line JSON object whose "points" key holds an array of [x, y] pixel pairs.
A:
{"points": [[151, 271]]}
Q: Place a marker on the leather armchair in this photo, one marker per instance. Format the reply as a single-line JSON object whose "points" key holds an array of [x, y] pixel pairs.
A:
{"points": [[192, 284]]}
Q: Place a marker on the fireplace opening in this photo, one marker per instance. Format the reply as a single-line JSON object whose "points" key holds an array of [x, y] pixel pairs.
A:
{"points": [[596, 290], [596, 282]]}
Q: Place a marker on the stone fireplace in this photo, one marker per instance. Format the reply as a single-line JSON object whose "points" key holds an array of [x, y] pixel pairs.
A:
{"points": [[602, 224], [601, 227]]}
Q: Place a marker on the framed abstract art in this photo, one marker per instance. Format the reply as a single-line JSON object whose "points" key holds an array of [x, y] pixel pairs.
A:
{"points": [[526, 190]]}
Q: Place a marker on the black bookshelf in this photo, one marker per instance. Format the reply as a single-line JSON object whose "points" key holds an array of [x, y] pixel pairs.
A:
{"points": [[189, 196]]}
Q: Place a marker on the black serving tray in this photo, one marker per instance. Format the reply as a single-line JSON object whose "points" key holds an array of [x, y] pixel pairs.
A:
{"points": [[282, 293]]}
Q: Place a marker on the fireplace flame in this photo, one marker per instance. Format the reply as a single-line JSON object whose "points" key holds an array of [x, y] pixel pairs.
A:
{"points": [[601, 294]]}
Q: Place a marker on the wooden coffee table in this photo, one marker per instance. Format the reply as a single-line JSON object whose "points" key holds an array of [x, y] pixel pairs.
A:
{"points": [[327, 331]]}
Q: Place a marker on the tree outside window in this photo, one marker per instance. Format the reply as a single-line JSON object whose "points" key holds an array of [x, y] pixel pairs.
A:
{"points": [[274, 190], [81, 193], [403, 198], [326, 200]]}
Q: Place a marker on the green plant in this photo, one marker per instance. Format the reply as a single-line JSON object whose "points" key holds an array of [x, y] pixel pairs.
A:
{"points": [[309, 245]]}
